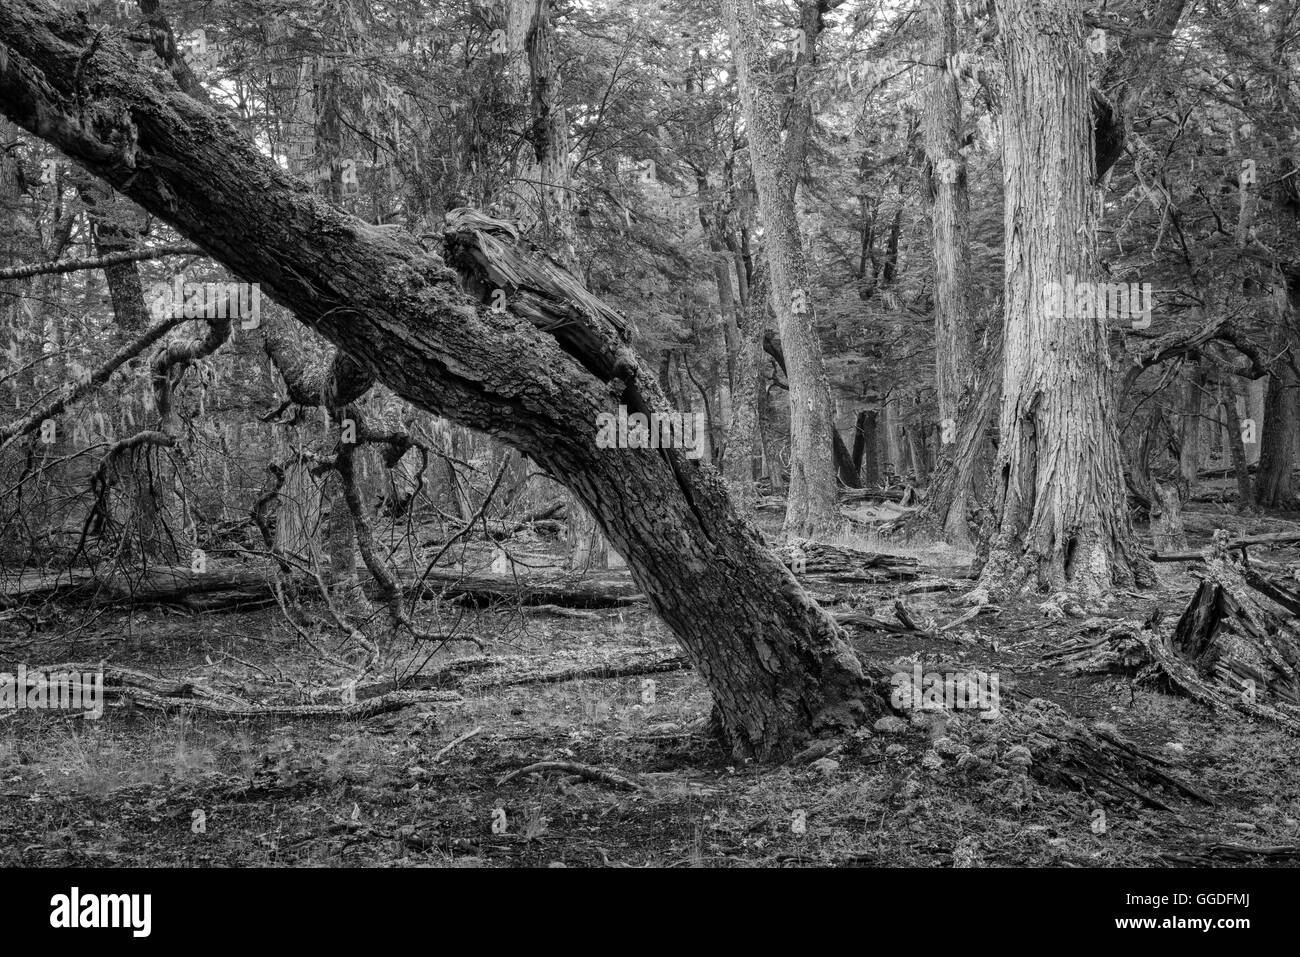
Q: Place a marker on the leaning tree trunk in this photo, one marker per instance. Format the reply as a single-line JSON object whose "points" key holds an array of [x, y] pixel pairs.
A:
{"points": [[812, 507], [778, 667], [1062, 516]]}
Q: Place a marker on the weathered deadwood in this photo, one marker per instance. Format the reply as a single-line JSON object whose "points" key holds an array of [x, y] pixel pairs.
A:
{"points": [[1066, 753], [839, 564], [157, 585], [481, 673], [872, 495], [381, 704], [132, 688], [1228, 651], [1275, 591], [566, 666], [1278, 538], [498, 529], [859, 619], [652, 664], [1217, 853], [1069, 754], [582, 770], [224, 589], [1226, 634], [459, 739], [532, 590], [118, 680]]}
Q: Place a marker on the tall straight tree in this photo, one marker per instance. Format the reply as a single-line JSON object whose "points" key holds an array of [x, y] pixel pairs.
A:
{"points": [[529, 29], [1062, 512], [1279, 450], [950, 236], [949, 210], [811, 507]]}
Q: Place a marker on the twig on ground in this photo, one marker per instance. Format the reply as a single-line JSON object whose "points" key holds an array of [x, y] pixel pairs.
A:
{"points": [[582, 770], [455, 741]]}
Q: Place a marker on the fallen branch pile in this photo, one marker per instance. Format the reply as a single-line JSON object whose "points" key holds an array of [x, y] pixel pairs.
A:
{"points": [[1230, 650]]}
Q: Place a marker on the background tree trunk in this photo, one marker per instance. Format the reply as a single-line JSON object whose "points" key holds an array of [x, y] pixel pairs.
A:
{"points": [[954, 344], [812, 505]]}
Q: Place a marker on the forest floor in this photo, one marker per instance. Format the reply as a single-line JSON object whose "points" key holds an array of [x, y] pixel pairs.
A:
{"points": [[124, 790]]}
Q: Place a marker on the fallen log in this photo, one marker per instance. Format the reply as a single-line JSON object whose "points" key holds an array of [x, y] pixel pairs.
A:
{"points": [[483, 590], [815, 563], [481, 673], [131, 689], [1068, 754], [872, 495], [860, 619], [1218, 853], [381, 704], [544, 521], [1278, 538], [117, 680], [225, 589], [1226, 633], [839, 564], [581, 770]]}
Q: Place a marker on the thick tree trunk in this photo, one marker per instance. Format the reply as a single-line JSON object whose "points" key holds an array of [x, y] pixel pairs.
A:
{"points": [[1062, 514], [812, 507], [778, 667]]}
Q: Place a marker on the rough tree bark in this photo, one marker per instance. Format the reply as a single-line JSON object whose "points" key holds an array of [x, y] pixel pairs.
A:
{"points": [[1280, 439], [529, 30], [1060, 493], [743, 431], [1280, 444], [778, 667], [812, 508], [954, 340]]}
